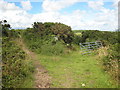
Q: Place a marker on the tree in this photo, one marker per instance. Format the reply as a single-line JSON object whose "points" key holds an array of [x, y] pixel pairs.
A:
{"points": [[5, 27], [63, 32], [60, 30]]}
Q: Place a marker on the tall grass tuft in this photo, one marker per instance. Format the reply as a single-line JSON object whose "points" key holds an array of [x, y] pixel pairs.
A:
{"points": [[53, 49]]}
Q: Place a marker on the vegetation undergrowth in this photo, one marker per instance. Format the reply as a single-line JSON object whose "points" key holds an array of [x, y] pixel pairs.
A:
{"points": [[15, 65], [110, 59], [48, 38]]}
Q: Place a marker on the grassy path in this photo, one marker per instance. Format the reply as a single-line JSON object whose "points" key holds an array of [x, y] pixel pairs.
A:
{"points": [[76, 71], [41, 77]]}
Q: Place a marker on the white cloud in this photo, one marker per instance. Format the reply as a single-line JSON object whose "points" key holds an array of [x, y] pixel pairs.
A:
{"points": [[26, 5], [56, 5], [46, 17], [17, 17], [96, 4], [106, 19], [4, 6]]}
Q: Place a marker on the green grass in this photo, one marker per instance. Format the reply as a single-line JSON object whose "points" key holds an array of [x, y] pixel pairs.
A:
{"points": [[28, 82], [74, 69]]}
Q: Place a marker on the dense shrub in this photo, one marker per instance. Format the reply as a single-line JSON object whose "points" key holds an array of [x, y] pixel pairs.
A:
{"points": [[15, 68], [48, 38], [35, 41], [112, 60], [62, 31], [106, 37], [113, 52], [77, 39], [44, 45]]}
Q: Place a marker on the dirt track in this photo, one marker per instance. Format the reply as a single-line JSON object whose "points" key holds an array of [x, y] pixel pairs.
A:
{"points": [[42, 79]]}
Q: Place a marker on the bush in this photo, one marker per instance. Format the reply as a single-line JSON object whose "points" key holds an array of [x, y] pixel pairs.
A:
{"points": [[45, 44], [112, 60], [106, 37], [15, 67], [52, 49], [77, 39]]}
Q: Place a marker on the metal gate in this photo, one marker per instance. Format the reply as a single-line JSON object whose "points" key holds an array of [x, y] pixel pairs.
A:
{"points": [[87, 47]]}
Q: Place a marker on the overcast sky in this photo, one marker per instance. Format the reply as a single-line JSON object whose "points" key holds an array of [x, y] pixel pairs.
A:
{"points": [[79, 14]]}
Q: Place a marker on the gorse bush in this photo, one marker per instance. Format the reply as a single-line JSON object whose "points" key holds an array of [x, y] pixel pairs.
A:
{"points": [[41, 38], [113, 52], [15, 68], [62, 31], [111, 61]]}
